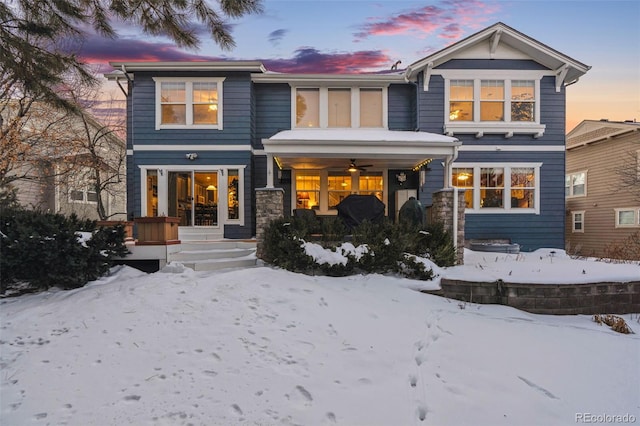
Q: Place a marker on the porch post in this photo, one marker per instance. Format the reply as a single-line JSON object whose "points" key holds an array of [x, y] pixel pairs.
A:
{"points": [[269, 206], [448, 209], [269, 171], [448, 162]]}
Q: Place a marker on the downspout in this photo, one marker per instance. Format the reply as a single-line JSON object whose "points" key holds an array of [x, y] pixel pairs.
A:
{"points": [[131, 129], [455, 198]]}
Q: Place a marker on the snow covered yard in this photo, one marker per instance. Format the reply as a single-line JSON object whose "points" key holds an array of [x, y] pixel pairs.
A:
{"points": [[268, 347]]}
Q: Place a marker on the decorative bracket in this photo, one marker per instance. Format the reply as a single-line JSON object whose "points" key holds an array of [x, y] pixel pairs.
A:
{"points": [[561, 73], [427, 76], [495, 40]]}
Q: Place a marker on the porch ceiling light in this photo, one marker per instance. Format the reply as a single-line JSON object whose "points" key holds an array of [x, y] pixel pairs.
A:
{"points": [[211, 188]]}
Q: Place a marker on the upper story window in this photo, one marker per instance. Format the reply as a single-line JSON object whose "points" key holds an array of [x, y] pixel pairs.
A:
{"points": [[499, 188], [83, 196], [491, 100], [484, 101], [575, 184], [184, 103], [339, 107]]}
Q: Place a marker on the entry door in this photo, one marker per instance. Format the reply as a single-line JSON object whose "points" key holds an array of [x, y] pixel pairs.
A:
{"points": [[193, 197]]}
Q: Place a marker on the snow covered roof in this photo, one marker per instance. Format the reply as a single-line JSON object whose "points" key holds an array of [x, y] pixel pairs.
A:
{"points": [[384, 148]]}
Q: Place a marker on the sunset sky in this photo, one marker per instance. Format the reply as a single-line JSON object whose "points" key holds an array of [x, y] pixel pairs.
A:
{"points": [[368, 35]]}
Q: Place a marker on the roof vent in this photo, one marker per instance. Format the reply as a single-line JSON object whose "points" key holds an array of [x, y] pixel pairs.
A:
{"points": [[604, 119]]}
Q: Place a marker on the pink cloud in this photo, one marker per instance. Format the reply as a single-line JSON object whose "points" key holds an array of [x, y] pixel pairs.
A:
{"points": [[99, 52], [447, 20], [309, 60]]}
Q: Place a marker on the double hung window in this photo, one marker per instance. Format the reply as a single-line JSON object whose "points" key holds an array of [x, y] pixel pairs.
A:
{"points": [[499, 188], [575, 184], [339, 107], [494, 101], [577, 220], [184, 103], [323, 190]]}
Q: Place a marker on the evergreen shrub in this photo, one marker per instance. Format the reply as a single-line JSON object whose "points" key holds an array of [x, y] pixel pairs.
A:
{"points": [[392, 248], [42, 250]]}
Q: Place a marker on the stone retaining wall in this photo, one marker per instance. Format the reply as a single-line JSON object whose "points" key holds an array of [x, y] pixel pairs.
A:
{"points": [[555, 299]]}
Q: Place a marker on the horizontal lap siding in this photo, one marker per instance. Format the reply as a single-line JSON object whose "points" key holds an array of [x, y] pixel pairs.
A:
{"points": [[401, 107], [237, 126], [236, 107], [273, 115], [431, 105], [273, 110], [602, 161], [530, 230]]}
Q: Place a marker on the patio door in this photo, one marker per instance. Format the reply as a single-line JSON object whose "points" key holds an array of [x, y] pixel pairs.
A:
{"points": [[193, 197]]}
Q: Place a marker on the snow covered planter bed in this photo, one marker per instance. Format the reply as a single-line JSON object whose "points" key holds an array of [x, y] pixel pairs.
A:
{"points": [[384, 248]]}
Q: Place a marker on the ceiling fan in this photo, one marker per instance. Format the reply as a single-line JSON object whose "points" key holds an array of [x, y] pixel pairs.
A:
{"points": [[353, 167]]}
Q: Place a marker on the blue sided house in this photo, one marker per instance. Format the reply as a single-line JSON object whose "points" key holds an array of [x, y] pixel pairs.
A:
{"points": [[486, 114]]}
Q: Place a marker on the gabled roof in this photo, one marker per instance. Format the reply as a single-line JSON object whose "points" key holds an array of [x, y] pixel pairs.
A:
{"points": [[568, 69], [592, 131]]}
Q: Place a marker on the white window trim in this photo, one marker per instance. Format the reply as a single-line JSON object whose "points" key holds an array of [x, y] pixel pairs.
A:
{"points": [[85, 196], [222, 203], [189, 102], [355, 106], [506, 127], [507, 209], [570, 175], [636, 217], [573, 221], [324, 187]]}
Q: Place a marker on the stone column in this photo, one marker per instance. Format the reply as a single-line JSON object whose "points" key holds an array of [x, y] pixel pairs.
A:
{"points": [[269, 206], [442, 212]]}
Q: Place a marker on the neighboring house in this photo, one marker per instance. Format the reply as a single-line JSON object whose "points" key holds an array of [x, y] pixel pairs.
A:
{"points": [[486, 114], [55, 168], [602, 185]]}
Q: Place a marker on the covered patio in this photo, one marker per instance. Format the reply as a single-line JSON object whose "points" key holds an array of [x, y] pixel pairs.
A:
{"points": [[346, 152], [335, 148]]}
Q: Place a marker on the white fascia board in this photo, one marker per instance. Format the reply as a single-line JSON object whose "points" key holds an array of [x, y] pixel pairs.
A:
{"points": [[252, 66], [339, 149], [324, 79]]}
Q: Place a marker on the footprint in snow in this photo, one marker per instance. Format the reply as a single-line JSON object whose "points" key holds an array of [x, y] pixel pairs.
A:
{"points": [[413, 381], [236, 409], [305, 393], [421, 413]]}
